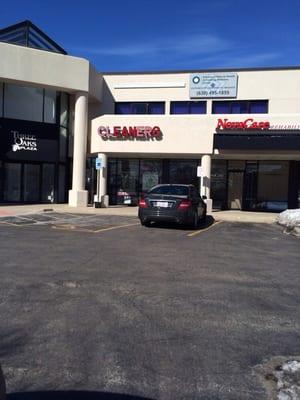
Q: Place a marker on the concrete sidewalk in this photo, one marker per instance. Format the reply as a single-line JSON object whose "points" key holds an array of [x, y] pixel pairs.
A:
{"points": [[230, 216]]}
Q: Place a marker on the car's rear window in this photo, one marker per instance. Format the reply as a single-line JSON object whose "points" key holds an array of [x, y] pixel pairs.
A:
{"points": [[173, 190]]}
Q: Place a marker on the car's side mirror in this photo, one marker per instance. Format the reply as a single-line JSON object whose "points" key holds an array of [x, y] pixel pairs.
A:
{"points": [[204, 197]]}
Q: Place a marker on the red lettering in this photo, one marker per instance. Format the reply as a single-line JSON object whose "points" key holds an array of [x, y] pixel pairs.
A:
{"points": [[128, 132], [156, 132], [117, 131], [249, 123], [147, 131], [132, 131], [140, 131], [125, 132], [102, 131], [221, 123]]}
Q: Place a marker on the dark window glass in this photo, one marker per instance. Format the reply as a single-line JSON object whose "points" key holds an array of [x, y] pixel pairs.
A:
{"points": [[156, 108], [197, 107], [16, 36], [188, 107], [221, 107], [240, 107], [184, 172], [259, 107], [140, 108], [150, 174], [12, 182], [123, 108], [31, 182], [218, 183], [172, 190], [179, 107], [272, 186]]}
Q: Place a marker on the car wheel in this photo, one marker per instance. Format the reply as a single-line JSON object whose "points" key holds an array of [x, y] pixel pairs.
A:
{"points": [[195, 220], [203, 218], [145, 223]]}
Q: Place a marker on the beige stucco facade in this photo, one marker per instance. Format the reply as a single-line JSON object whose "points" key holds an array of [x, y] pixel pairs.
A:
{"points": [[190, 135], [93, 96]]}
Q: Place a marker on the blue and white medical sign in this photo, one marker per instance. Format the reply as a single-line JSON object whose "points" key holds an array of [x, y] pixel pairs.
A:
{"points": [[99, 163], [213, 85]]}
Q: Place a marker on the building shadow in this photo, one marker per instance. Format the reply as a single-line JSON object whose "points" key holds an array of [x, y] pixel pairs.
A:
{"points": [[72, 395]]}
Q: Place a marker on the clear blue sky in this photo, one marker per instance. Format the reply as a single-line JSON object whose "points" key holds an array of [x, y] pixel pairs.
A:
{"points": [[139, 35]]}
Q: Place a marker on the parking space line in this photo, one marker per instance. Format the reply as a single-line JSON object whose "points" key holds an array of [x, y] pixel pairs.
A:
{"points": [[18, 225], [116, 227], [203, 230], [75, 228]]}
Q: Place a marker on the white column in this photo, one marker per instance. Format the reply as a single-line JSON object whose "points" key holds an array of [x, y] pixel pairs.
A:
{"points": [[78, 196], [103, 181], [205, 180]]}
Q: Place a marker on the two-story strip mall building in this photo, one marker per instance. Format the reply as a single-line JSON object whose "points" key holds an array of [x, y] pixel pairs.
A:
{"points": [[234, 133]]}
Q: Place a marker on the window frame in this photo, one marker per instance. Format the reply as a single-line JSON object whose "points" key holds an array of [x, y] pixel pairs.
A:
{"points": [[232, 103], [147, 104]]}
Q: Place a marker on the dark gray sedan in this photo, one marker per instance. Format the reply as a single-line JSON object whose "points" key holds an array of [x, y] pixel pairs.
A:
{"points": [[172, 203]]}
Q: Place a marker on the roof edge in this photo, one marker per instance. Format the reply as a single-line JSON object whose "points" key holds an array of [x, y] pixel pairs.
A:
{"points": [[201, 70]]}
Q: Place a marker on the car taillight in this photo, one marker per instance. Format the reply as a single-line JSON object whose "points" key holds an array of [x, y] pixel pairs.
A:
{"points": [[185, 204], [143, 204]]}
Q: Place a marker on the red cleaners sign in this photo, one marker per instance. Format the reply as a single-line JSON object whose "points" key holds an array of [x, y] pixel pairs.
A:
{"points": [[248, 124], [130, 132]]}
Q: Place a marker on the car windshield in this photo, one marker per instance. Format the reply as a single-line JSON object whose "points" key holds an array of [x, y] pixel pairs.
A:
{"points": [[171, 190]]}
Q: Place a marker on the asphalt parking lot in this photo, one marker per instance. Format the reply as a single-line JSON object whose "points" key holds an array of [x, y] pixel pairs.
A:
{"points": [[101, 304]]}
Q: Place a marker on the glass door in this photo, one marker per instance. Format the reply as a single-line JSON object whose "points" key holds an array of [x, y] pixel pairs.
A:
{"points": [[12, 182], [250, 185], [235, 190], [127, 181], [48, 176], [31, 179], [150, 174]]}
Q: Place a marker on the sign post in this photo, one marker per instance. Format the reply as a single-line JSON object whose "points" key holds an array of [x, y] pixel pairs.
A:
{"points": [[98, 166]]}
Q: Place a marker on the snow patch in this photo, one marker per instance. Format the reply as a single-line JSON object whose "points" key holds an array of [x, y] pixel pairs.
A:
{"points": [[291, 220], [288, 380]]}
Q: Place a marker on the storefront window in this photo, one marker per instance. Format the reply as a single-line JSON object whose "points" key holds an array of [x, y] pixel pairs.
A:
{"points": [[64, 109], [184, 172], [218, 183], [272, 188], [150, 174], [50, 106], [62, 144], [127, 181], [62, 184], [31, 182], [12, 182], [22, 102], [48, 183]]}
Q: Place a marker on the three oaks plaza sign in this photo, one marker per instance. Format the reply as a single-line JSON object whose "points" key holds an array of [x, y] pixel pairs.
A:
{"points": [[130, 133]]}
